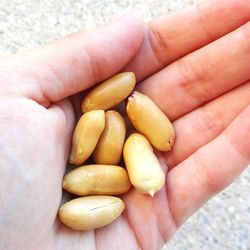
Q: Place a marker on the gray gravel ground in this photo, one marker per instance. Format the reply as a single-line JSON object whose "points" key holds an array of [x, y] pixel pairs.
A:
{"points": [[224, 223]]}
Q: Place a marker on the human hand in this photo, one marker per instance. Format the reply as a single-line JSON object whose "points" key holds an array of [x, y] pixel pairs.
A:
{"points": [[211, 145]]}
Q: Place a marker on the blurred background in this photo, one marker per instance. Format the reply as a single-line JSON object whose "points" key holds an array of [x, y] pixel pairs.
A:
{"points": [[224, 222]]}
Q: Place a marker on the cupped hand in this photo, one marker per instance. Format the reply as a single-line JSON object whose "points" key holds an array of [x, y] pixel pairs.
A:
{"points": [[193, 64]]}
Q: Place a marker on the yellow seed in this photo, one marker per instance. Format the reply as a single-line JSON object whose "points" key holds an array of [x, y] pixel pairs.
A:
{"points": [[97, 179], [86, 135], [150, 121], [143, 167], [91, 212], [109, 93], [110, 144]]}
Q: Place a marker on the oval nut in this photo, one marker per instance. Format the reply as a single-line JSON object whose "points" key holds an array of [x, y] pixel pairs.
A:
{"points": [[97, 179], [109, 93], [86, 135], [110, 145], [90, 212], [150, 121], [143, 167]]}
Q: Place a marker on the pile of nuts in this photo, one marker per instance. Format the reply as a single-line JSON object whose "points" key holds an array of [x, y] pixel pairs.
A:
{"points": [[101, 133]]}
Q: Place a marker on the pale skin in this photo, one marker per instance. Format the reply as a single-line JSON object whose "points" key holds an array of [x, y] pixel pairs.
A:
{"points": [[200, 55]]}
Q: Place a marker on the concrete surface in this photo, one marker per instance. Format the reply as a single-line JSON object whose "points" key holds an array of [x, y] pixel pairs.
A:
{"points": [[224, 223]]}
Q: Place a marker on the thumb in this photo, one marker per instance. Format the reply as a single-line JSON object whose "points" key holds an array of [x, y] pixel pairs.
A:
{"points": [[68, 66]]}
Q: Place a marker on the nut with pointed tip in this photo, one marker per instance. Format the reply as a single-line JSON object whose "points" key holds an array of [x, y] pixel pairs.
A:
{"points": [[150, 121], [143, 167], [97, 179], [109, 93], [86, 135], [91, 212], [110, 145]]}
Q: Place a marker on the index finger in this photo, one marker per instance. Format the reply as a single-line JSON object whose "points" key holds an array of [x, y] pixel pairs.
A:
{"points": [[176, 35]]}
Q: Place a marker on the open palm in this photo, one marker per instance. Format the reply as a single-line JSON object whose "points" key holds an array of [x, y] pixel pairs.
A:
{"points": [[193, 64]]}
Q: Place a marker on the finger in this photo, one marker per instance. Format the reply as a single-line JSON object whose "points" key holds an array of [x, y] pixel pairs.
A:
{"points": [[210, 169], [202, 75], [70, 65], [205, 123], [171, 37]]}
